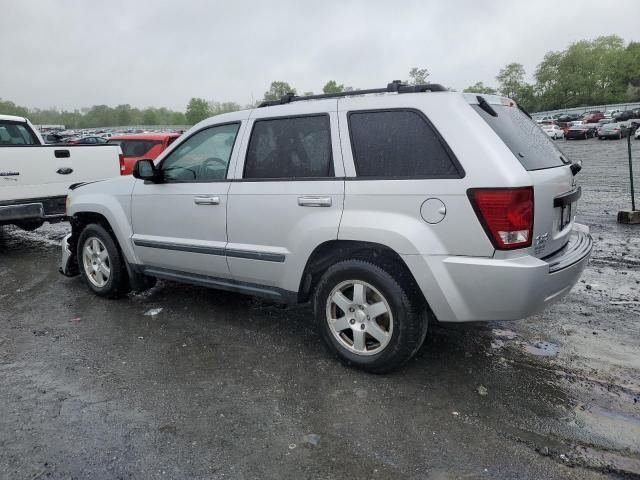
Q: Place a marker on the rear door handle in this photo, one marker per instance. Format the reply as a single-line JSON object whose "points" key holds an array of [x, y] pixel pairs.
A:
{"points": [[314, 201], [206, 200], [64, 171]]}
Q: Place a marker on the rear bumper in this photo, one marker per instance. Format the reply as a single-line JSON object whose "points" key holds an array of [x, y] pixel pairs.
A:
{"points": [[466, 289], [49, 208]]}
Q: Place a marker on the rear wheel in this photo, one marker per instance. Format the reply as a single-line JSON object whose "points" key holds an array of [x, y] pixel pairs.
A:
{"points": [[370, 318], [101, 263]]}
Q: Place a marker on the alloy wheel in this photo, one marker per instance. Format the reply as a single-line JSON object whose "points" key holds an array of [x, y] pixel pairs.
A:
{"points": [[96, 262], [359, 317]]}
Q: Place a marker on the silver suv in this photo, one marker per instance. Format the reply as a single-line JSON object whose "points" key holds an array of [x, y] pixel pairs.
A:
{"points": [[384, 208]]}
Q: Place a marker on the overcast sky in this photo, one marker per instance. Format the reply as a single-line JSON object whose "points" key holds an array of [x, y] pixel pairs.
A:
{"points": [[72, 54]]}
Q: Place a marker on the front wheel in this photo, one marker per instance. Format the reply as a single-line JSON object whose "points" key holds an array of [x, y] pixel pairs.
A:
{"points": [[370, 318], [101, 263]]}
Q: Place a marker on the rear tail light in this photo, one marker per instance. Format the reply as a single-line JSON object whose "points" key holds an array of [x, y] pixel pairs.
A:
{"points": [[506, 214], [123, 167]]}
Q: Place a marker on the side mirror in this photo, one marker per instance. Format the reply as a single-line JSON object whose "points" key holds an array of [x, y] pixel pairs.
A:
{"points": [[145, 170]]}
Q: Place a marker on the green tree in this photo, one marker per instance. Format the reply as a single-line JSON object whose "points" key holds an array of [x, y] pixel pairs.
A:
{"points": [[150, 116], [418, 76], [277, 90], [218, 108], [510, 80], [124, 115], [511, 84], [332, 87], [178, 118], [588, 73], [197, 110], [480, 87], [10, 108]]}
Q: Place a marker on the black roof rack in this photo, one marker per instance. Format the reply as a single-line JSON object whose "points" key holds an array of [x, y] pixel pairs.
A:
{"points": [[395, 86]]}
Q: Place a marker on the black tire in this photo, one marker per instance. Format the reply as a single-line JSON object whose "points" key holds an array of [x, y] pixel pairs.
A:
{"points": [[410, 314], [118, 283]]}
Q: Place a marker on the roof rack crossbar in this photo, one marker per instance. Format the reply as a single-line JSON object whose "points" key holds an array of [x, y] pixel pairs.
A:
{"points": [[395, 86]]}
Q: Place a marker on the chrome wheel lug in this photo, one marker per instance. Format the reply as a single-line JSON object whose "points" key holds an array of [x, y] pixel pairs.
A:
{"points": [[352, 321]]}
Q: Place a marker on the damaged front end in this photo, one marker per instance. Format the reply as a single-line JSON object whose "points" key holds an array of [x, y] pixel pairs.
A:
{"points": [[69, 263]]}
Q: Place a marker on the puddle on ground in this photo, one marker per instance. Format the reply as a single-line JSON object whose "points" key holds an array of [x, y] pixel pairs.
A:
{"points": [[622, 431], [542, 349], [504, 334]]}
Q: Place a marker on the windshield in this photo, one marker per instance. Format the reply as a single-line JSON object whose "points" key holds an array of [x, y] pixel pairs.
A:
{"points": [[531, 146]]}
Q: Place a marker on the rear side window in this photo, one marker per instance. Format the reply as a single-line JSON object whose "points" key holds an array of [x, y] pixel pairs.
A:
{"points": [[298, 147], [135, 148], [398, 143], [531, 146], [16, 134]]}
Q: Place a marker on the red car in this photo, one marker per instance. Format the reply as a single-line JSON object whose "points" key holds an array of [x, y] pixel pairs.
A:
{"points": [[593, 117], [141, 146]]}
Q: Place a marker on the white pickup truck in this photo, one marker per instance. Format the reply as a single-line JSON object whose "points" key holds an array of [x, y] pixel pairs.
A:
{"points": [[35, 178]]}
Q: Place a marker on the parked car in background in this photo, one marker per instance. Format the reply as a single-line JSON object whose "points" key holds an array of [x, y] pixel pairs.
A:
{"points": [[636, 135], [593, 117], [51, 138], [568, 117], [612, 130], [580, 132], [627, 115], [553, 131], [612, 113], [35, 178], [87, 141], [137, 147]]}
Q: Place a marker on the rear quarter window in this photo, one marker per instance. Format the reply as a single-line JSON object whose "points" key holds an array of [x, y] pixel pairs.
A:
{"points": [[531, 146], [398, 144]]}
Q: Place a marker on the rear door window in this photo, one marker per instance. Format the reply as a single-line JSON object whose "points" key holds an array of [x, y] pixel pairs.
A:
{"points": [[298, 147], [398, 144], [531, 146]]}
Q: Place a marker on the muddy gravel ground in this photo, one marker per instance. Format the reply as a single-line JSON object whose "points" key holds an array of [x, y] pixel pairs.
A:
{"points": [[217, 385]]}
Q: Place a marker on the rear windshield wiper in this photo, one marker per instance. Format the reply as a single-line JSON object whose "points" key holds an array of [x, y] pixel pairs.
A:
{"points": [[484, 105], [524, 111]]}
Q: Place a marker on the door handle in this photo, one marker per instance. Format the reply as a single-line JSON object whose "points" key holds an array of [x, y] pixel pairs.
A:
{"points": [[314, 201], [62, 153], [64, 171], [206, 200]]}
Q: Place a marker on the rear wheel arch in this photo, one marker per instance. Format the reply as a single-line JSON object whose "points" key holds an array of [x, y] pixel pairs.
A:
{"points": [[333, 251]]}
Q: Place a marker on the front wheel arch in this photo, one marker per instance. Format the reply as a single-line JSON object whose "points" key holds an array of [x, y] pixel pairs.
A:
{"points": [[137, 281]]}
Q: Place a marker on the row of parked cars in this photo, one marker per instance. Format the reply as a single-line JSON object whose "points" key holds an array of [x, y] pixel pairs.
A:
{"points": [[614, 124], [368, 205]]}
